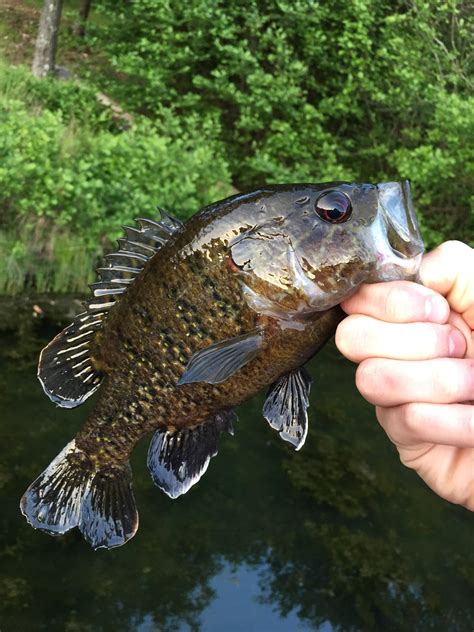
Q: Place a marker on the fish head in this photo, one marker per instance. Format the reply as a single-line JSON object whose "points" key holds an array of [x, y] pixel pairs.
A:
{"points": [[323, 241]]}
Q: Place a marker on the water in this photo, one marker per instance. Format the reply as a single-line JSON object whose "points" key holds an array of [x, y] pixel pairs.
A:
{"points": [[336, 537]]}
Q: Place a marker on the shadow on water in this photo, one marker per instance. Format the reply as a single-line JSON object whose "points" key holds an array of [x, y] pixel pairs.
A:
{"points": [[336, 537]]}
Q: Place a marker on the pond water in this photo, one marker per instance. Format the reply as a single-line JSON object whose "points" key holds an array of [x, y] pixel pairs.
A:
{"points": [[336, 537]]}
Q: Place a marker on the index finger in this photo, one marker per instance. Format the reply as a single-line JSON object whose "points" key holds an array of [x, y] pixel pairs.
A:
{"points": [[398, 302]]}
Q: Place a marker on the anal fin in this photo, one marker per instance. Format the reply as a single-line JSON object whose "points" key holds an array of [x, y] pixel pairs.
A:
{"points": [[177, 459], [286, 405]]}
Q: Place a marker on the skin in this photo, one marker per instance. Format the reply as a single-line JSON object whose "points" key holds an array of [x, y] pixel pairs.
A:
{"points": [[415, 349]]}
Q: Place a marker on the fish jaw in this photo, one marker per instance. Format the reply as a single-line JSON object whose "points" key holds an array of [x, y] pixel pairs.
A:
{"points": [[397, 239]]}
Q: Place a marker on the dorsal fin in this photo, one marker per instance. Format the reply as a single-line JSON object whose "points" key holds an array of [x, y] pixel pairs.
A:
{"points": [[65, 369]]}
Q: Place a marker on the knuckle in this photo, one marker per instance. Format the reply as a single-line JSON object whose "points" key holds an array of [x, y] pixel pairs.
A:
{"points": [[388, 421], [396, 302], [413, 418], [405, 301], [340, 337], [374, 381], [457, 384]]}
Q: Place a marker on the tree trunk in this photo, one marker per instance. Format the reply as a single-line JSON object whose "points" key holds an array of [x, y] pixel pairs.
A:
{"points": [[46, 42], [79, 28]]}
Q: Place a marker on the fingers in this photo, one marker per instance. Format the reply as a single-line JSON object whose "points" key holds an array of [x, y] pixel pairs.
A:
{"points": [[398, 301], [449, 270], [361, 337], [386, 382], [415, 424]]}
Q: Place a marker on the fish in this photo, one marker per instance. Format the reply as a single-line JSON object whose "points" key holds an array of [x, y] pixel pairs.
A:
{"points": [[187, 320]]}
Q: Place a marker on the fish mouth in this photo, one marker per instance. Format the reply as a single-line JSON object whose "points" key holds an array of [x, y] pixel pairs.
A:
{"points": [[397, 235]]}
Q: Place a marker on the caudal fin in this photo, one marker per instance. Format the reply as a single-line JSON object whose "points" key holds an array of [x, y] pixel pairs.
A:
{"points": [[72, 493]]}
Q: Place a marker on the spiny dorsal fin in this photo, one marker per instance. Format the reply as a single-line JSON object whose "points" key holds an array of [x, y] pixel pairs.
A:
{"points": [[65, 370], [135, 249]]}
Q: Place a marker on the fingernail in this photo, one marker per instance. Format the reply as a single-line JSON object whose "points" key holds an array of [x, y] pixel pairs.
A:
{"points": [[457, 343], [436, 309]]}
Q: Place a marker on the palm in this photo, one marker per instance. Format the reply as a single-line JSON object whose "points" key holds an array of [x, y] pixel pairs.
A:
{"points": [[448, 470]]}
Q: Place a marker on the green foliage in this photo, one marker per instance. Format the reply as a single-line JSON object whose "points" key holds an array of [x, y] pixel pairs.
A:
{"points": [[66, 189], [46, 259], [311, 91], [243, 93], [442, 164], [72, 100]]}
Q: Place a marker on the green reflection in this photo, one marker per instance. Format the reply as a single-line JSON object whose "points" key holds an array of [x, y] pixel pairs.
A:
{"points": [[339, 531]]}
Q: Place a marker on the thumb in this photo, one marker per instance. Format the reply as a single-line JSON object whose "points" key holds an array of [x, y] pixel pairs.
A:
{"points": [[449, 270]]}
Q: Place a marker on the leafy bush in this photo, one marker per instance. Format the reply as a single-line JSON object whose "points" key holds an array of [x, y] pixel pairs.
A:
{"points": [[242, 93], [74, 101], [299, 90], [65, 190], [442, 165]]}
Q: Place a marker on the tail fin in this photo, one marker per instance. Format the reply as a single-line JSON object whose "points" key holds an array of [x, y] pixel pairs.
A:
{"points": [[72, 493]]}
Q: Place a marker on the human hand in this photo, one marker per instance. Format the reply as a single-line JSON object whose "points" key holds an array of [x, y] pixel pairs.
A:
{"points": [[415, 346]]}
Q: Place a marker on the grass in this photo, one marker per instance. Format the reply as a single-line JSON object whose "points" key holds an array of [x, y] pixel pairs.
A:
{"points": [[64, 263]]}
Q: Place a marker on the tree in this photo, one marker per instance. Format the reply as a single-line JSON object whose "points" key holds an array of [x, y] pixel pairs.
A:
{"points": [[46, 42], [79, 28]]}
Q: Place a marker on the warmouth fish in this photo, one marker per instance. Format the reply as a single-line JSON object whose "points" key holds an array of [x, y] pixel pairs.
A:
{"points": [[189, 320]]}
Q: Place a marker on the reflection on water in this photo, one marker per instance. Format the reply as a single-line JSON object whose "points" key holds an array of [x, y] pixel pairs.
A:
{"points": [[237, 589], [335, 537]]}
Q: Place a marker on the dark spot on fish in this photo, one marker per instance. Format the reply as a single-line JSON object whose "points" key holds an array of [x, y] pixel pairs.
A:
{"points": [[302, 200]]}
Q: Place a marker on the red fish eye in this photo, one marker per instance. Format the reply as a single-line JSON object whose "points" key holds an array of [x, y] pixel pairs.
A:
{"points": [[334, 207]]}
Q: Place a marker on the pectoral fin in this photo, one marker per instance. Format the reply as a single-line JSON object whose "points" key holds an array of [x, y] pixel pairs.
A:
{"points": [[286, 405], [219, 361]]}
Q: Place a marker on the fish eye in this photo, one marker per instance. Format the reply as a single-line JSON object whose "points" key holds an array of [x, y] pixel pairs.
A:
{"points": [[334, 207]]}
